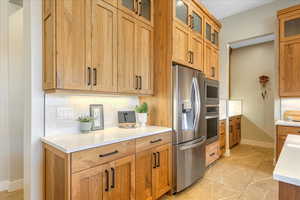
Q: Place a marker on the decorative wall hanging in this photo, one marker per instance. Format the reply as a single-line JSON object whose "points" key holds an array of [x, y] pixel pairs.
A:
{"points": [[263, 80]]}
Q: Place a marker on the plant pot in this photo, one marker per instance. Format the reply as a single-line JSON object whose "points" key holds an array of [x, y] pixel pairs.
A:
{"points": [[85, 127], [142, 119]]}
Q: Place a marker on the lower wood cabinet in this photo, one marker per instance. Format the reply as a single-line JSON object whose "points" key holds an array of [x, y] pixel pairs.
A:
{"points": [[153, 172], [234, 131], [212, 152], [222, 136], [132, 170], [282, 133], [114, 180]]}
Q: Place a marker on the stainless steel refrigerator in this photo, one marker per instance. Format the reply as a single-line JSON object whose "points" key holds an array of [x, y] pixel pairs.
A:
{"points": [[189, 138]]}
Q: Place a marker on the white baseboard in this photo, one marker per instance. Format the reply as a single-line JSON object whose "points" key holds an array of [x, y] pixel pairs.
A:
{"points": [[258, 143], [4, 185], [15, 185], [11, 186]]}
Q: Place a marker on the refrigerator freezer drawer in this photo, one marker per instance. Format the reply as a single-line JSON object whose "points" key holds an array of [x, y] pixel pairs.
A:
{"points": [[190, 163]]}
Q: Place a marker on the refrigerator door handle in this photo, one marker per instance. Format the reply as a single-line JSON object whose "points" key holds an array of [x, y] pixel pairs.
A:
{"points": [[197, 102], [192, 145]]}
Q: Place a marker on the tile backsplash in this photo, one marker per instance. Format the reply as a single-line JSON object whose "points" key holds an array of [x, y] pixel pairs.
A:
{"points": [[289, 104], [62, 111]]}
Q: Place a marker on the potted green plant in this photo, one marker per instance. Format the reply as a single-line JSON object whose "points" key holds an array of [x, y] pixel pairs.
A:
{"points": [[142, 114], [85, 123]]}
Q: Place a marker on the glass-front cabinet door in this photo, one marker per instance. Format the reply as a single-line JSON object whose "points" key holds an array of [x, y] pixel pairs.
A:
{"points": [[181, 12], [128, 6], [290, 27], [215, 38], [197, 22], [145, 10], [208, 31]]}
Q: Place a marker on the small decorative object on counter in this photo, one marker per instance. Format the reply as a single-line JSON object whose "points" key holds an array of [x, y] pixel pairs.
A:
{"points": [[85, 123], [263, 80], [96, 112], [142, 114]]}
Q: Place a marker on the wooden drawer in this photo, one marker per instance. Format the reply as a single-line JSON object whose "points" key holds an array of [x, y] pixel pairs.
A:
{"points": [[92, 157], [150, 142], [285, 130], [212, 152]]}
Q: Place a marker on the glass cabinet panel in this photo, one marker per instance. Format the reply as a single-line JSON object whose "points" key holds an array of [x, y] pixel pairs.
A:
{"points": [[145, 9], [182, 12], [128, 4], [215, 39], [292, 27], [197, 23], [208, 32]]}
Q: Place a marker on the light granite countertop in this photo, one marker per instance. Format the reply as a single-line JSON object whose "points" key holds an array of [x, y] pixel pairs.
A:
{"points": [[71, 143], [287, 123], [288, 164]]}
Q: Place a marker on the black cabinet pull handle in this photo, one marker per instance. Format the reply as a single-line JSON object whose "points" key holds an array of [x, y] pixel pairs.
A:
{"points": [[158, 159], [136, 82], [108, 154], [136, 7], [95, 76], [140, 83], [107, 180], [213, 71], [212, 154], [112, 178], [155, 141], [89, 76], [192, 57], [140, 8], [154, 154]]}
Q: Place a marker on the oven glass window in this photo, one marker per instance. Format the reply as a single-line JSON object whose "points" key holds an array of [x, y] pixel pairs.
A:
{"points": [[212, 127], [212, 92]]}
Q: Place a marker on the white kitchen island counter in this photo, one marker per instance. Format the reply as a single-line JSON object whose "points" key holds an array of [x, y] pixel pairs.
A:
{"points": [[287, 169], [71, 143]]}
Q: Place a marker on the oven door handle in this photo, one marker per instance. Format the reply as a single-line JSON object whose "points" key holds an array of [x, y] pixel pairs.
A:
{"points": [[197, 102], [212, 117]]}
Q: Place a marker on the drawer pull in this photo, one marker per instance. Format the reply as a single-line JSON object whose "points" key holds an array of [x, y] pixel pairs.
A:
{"points": [[154, 154], [158, 159], [155, 141], [107, 180], [108, 154], [212, 154], [112, 178]]}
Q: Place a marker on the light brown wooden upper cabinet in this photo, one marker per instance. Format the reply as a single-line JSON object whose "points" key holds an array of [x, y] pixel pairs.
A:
{"points": [[71, 58], [102, 73], [188, 34], [90, 45], [145, 58], [289, 51], [141, 9], [135, 53], [290, 68], [127, 75], [290, 25]]}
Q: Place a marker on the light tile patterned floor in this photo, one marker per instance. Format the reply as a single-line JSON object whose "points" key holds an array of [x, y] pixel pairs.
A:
{"points": [[245, 175], [17, 195]]}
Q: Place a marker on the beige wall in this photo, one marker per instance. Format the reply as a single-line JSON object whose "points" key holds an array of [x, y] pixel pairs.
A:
{"points": [[253, 23], [247, 64]]}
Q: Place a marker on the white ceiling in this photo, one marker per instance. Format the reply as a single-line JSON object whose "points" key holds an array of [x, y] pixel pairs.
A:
{"points": [[224, 8]]}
